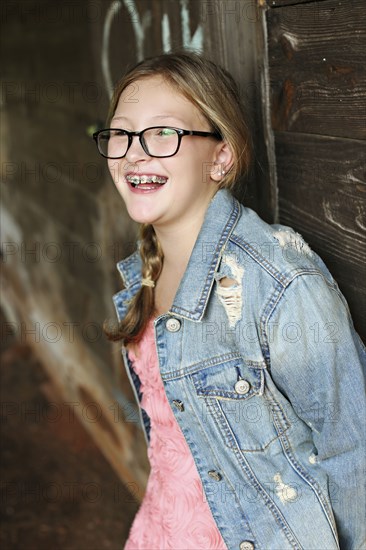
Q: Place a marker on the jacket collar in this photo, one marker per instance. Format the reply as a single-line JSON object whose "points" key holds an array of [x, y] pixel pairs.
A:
{"points": [[130, 271], [192, 296], [195, 287]]}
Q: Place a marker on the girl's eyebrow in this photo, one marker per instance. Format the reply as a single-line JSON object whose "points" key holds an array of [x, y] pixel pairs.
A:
{"points": [[167, 115]]}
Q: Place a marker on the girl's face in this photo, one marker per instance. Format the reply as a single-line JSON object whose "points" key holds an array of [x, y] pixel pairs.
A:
{"points": [[190, 177]]}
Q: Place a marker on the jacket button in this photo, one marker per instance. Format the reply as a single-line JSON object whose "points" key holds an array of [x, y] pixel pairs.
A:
{"points": [[173, 325], [215, 475], [246, 545], [179, 404], [242, 387]]}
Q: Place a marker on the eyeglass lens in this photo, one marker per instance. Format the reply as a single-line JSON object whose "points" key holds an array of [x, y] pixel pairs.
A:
{"points": [[159, 142]]}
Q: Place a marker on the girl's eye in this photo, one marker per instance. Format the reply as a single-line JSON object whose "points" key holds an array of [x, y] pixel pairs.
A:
{"points": [[165, 132]]}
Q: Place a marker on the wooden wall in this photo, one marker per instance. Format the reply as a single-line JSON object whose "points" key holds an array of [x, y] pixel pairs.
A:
{"points": [[64, 224], [317, 78], [60, 62]]}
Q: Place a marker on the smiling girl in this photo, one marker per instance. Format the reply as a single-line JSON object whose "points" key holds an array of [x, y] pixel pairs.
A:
{"points": [[243, 357]]}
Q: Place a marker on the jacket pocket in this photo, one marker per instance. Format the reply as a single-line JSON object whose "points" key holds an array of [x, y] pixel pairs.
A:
{"points": [[235, 399]]}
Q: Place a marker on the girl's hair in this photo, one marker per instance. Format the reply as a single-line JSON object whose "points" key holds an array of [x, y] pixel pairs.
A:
{"points": [[214, 92]]}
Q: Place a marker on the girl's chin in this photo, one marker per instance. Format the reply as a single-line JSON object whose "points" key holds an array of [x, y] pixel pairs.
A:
{"points": [[142, 217]]}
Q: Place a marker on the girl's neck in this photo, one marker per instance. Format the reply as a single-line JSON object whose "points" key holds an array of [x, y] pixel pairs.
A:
{"points": [[177, 244], [178, 239], [177, 247]]}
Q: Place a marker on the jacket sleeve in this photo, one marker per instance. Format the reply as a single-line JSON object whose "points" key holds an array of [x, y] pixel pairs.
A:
{"points": [[317, 361]]}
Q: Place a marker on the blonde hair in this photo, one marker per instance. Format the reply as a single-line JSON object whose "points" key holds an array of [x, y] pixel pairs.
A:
{"points": [[214, 92]]}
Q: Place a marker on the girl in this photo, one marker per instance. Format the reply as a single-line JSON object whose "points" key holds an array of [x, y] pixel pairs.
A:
{"points": [[237, 341]]}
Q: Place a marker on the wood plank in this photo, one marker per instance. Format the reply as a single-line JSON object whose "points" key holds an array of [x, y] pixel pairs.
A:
{"points": [[233, 27], [317, 68], [322, 194], [281, 3]]}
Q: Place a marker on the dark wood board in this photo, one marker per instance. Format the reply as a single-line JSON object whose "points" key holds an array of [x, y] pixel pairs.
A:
{"points": [[281, 3], [317, 68], [322, 194]]}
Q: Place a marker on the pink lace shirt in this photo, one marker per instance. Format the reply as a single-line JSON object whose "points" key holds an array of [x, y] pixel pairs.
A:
{"points": [[174, 513]]}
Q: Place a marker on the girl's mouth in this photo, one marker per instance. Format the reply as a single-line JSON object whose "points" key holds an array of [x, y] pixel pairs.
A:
{"points": [[145, 181]]}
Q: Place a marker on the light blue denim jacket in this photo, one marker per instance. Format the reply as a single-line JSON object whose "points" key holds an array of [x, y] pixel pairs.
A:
{"points": [[265, 379]]}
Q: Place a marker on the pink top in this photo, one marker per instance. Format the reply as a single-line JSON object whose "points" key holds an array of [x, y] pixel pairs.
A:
{"points": [[174, 512]]}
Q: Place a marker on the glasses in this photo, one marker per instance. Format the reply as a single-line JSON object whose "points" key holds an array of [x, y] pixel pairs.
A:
{"points": [[157, 141]]}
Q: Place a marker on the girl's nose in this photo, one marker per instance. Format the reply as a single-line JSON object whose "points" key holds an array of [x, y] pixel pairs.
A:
{"points": [[136, 151]]}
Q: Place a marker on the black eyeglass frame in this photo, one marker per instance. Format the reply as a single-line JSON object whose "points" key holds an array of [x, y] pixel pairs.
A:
{"points": [[140, 135]]}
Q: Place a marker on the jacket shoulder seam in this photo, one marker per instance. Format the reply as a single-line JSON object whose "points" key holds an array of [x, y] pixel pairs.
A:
{"points": [[274, 301], [260, 260]]}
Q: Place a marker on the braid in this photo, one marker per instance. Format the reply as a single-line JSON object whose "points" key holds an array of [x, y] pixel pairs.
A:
{"points": [[143, 304], [151, 253]]}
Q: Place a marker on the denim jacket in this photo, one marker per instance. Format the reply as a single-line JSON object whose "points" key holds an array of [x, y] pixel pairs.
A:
{"points": [[266, 381]]}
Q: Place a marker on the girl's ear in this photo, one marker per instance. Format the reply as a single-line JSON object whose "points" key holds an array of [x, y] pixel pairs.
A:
{"points": [[222, 161]]}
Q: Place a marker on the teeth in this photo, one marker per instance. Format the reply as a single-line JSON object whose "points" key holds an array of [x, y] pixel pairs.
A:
{"points": [[138, 180]]}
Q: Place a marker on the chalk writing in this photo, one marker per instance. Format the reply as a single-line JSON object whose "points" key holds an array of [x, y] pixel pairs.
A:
{"points": [[140, 25]]}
